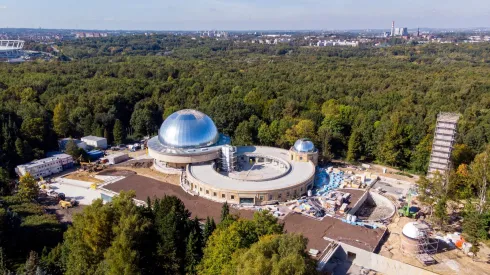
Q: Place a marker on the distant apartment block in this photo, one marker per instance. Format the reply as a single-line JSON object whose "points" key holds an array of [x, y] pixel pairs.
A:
{"points": [[90, 34], [442, 146], [46, 167], [326, 43]]}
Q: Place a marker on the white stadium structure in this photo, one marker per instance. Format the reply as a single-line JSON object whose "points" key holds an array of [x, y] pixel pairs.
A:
{"points": [[11, 48], [189, 144]]}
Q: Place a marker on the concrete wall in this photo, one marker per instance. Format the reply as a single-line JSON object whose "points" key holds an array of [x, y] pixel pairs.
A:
{"points": [[185, 159], [377, 262], [359, 203]]}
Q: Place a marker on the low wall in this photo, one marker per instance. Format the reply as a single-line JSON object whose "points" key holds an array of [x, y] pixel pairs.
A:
{"points": [[377, 262], [359, 203]]}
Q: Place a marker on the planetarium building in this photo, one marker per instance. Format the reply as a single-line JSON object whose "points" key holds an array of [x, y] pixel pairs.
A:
{"points": [[189, 144]]}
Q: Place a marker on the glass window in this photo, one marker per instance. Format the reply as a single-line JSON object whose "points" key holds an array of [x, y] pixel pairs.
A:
{"points": [[214, 194], [232, 197], [223, 196], [207, 192]]}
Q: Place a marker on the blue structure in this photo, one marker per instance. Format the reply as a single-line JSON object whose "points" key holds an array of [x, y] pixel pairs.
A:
{"points": [[325, 182], [95, 154]]}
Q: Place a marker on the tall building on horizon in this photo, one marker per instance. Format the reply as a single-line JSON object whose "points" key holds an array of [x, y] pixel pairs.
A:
{"points": [[392, 28]]}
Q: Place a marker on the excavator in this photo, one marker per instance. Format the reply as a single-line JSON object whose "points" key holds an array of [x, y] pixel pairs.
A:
{"points": [[405, 210]]}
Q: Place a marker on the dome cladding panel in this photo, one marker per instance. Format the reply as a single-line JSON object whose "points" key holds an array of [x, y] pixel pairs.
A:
{"points": [[188, 129], [304, 145]]}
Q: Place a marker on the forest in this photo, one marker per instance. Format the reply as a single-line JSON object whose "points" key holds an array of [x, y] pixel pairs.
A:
{"points": [[357, 104]]}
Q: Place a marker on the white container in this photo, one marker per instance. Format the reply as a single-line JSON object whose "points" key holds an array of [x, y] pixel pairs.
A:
{"points": [[310, 193]]}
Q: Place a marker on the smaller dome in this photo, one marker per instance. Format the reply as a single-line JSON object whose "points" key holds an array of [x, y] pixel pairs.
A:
{"points": [[412, 229], [304, 145]]}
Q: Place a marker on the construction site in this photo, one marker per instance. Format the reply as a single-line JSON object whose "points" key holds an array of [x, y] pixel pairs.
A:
{"points": [[359, 219]]}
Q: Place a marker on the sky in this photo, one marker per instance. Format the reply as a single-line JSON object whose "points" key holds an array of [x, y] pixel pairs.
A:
{"points": [[243, 14]]}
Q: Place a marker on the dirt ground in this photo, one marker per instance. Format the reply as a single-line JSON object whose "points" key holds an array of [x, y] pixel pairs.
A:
{"points": [[313, 229], [83, 176], [449, 262], [63, 215], [130, 169]]}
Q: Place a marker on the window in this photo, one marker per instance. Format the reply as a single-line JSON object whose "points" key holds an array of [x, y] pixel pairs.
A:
{"points": [[279, 196], [200, 189], [287, 194], [207, 192], [232, 197], [214, 194], [223, 196], [270, 197], [301, 189], [261, 198], [300, 158]]}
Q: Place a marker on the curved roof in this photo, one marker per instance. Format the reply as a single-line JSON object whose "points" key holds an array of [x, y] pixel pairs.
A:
{"points": [[188, 129], [412, 229], [304, 145], [298, 173]]}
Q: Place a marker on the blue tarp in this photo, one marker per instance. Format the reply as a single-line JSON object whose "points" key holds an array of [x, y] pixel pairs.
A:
{"points": [[95, 154]]}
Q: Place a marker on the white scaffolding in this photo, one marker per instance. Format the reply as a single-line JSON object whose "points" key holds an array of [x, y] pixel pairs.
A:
{"points": [[228, 159], [442, 147]]}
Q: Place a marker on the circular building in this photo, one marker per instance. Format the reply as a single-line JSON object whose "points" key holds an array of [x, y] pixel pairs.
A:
{"points": [[189, 144], [416, 239], [304, 150], [186, 136]]}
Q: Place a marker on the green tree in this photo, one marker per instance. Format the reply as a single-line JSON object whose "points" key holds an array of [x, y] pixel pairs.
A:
{"points": [[60, 120], [192, 256], [225, 211], [433, 192], [4, 182], [304, 129], [118, 132], [354, 147], [28, 189], [265, 135], [209, 228], [32, 267], [239, 234], [480, 177], [274, 254], [243, 134], [475, 226]]}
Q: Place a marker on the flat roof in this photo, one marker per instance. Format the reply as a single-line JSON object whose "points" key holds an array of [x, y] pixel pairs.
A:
{"points": [[94, 138], [44, 160], [299, 172]]}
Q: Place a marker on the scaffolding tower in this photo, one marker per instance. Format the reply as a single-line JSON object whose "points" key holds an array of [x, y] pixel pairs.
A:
{"points": [[442, 146], [228, 160], [427, 246]]}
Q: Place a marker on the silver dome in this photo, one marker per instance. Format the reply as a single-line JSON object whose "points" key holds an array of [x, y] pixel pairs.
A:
{"points": [[304, 145], [188, 129]]}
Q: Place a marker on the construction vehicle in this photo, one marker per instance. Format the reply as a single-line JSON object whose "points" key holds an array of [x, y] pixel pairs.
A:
{"points": [[405, 211], [65, 204]]}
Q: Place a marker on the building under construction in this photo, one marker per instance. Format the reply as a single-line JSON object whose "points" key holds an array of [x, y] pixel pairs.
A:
{"points": [[442, 146], [417, 241]]}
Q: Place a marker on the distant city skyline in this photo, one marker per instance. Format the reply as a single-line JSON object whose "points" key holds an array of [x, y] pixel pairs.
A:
{"points": [[242, 14]]}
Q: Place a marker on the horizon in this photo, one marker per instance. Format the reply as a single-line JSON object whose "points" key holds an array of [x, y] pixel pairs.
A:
{"points": [[242, 15]]}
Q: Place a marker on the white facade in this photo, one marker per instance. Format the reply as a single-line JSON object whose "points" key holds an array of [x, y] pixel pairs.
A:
{"points": [[98, 142], [46, 167], [117, 158], [401, 32]]}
